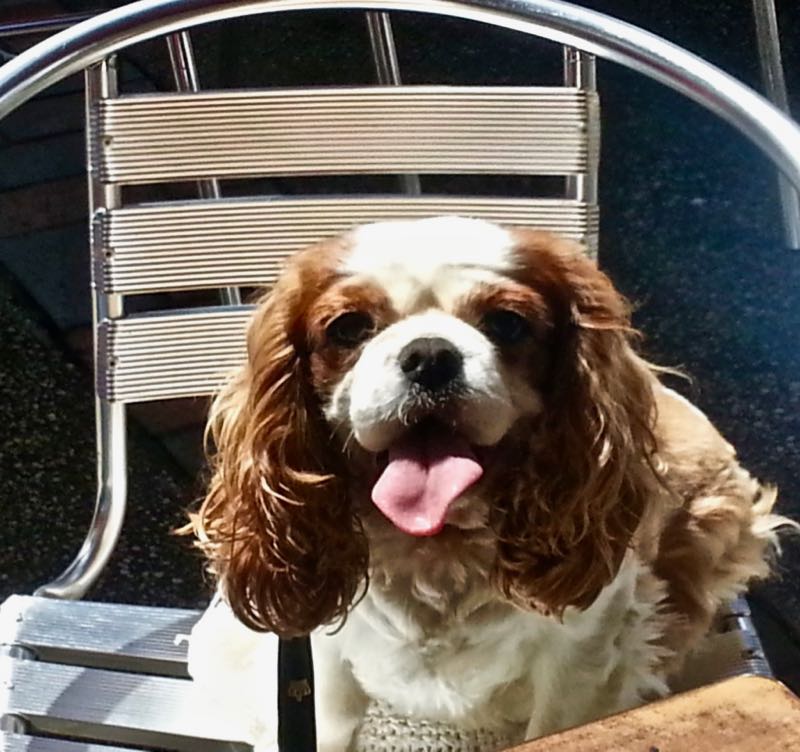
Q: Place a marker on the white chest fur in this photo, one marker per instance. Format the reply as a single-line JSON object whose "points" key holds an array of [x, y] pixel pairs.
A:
{"points": [[495, 667], [502, 668]]}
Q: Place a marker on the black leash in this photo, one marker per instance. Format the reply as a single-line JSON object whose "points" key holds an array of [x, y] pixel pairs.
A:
{"points": [[297, 731]]}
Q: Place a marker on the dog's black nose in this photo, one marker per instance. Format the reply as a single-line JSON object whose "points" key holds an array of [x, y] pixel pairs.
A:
{"points": [[431, 362]]}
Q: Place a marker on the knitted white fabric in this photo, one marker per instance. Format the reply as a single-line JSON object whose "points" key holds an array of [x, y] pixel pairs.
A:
{"points": [[384, 731]]}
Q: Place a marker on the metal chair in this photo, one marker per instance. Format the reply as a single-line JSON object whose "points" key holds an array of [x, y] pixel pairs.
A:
{"points": [[116, 674]]}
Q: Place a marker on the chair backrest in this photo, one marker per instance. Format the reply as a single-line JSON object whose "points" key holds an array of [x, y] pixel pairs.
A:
{"points": [[212, 243], [145, 248]]}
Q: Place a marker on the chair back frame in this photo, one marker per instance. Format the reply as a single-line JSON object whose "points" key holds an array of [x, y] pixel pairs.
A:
{"points": [[206, 136]]}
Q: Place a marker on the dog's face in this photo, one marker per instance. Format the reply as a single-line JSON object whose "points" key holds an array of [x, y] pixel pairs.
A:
{"points": [[429, 362], [426, 347]]}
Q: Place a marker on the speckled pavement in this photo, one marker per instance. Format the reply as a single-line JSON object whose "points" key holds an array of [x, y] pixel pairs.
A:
{"points": [[47, 473], [690, 231]]}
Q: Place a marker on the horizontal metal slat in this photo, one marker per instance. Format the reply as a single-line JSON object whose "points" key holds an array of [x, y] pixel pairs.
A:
{"points": [[113, 706], [720, 656], [196, 244], [24, 743], [101, 635], [731, 648], [425, 129], [170, 355]]}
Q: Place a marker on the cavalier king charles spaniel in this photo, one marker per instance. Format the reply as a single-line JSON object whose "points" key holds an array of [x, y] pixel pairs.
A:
{"points": [[444, 459]]}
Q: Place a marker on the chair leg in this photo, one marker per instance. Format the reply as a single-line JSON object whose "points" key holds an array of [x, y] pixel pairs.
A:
{"points": [[110, 416], [109, 514], [769, 57]]}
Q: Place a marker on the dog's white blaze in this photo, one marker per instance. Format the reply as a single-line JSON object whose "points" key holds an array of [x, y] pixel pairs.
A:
{"points": [[430, 262]]}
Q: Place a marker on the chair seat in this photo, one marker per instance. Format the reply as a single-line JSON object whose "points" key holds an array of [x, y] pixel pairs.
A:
{"points": [[99, 635], [114, 673], [101, 672]]}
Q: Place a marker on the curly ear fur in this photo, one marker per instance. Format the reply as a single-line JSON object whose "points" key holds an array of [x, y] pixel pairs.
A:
{"points": [[583, 490], [277, 523]]}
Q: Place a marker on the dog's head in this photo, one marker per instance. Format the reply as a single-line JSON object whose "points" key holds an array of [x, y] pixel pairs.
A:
{"points": [[421, 368]]}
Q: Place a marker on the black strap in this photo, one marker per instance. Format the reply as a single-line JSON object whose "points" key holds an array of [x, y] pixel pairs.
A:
{"points": [[296, 725]]}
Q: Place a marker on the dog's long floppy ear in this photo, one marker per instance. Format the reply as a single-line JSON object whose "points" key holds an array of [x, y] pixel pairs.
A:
{"points": [[591, 470], [276, 523]]}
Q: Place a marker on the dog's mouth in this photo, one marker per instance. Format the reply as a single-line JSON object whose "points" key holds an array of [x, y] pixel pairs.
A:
{"points": [[426, 470]]}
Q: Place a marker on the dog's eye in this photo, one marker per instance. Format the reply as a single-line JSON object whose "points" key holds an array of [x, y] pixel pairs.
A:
{"points": [[505, 327], [350, 329]]}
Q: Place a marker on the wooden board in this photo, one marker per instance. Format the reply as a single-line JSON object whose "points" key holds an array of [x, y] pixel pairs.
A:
{"points": [[744, 714]]}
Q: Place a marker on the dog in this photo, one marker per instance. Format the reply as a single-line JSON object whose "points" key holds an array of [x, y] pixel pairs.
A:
{"points": [[444, 459]]}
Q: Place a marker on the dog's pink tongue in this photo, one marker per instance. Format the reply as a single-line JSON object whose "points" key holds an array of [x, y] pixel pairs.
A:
{"points": [[425, 474]]}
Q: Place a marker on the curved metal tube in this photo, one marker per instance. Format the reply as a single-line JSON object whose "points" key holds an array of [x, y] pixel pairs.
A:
{"points": [[769, 57], [88, 42], [109, 512], [110, 417]]}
